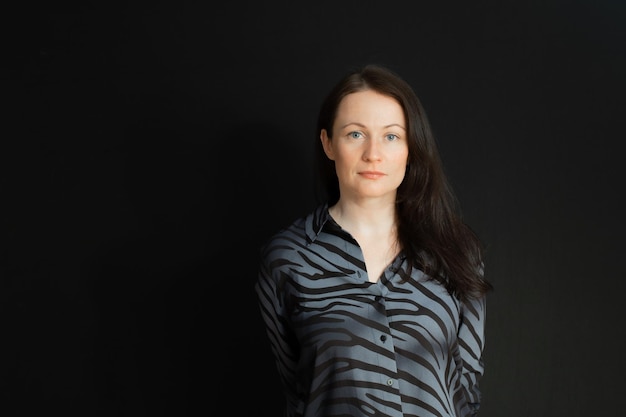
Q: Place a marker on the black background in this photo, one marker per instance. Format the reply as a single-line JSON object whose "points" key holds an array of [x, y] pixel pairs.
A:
{"points": [[151, 147]]}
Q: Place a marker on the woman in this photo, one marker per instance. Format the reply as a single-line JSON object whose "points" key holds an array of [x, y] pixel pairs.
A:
{"points": [[374, 303]]}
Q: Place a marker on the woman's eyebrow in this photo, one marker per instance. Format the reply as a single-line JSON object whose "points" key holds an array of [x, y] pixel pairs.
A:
{"points": [[362, 125]]}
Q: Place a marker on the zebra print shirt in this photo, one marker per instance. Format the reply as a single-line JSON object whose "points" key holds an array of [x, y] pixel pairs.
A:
{"points": [[344, 346]]}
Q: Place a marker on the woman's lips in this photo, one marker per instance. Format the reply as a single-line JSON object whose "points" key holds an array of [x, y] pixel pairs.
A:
{"points": [[372, 175]]}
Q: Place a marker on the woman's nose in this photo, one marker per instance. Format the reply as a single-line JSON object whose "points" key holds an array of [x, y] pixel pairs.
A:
{"points": [[371, 151]]}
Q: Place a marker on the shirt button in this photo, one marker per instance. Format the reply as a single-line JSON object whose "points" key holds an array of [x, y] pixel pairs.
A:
{"points": [[390, 382], [383, 338]]}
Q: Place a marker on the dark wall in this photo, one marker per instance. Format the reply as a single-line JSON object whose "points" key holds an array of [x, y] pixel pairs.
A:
{"points": [[151, 148]]}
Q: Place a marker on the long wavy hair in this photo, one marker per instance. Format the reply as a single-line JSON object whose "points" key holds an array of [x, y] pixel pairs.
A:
{"points": [[431, 231]]}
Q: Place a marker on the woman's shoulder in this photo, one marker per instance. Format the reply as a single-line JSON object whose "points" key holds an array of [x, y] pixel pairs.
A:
{"points": [[295, 236]]}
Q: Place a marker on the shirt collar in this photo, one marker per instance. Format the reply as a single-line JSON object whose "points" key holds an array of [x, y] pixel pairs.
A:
{"points": [[320, 217], [315, 222]]}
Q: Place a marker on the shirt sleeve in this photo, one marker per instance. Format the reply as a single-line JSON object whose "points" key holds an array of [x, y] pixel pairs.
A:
{"points": [[283, 343], [471, 343]]}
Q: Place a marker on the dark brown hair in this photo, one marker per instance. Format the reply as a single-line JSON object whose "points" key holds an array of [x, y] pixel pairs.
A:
{"points": [[431, 231]]}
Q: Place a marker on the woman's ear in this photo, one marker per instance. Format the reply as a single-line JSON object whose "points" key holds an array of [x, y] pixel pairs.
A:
{"points": [[327, 145]]}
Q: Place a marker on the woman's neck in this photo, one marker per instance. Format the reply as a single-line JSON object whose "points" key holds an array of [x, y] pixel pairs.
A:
{"points": [[365, 218]]}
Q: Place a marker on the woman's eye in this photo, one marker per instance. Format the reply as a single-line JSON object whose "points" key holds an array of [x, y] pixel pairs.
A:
{"points": [[355, 135], [392, 137]]}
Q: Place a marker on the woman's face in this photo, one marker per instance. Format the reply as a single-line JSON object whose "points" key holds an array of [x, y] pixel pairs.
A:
{"points": [[369, 145]]}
